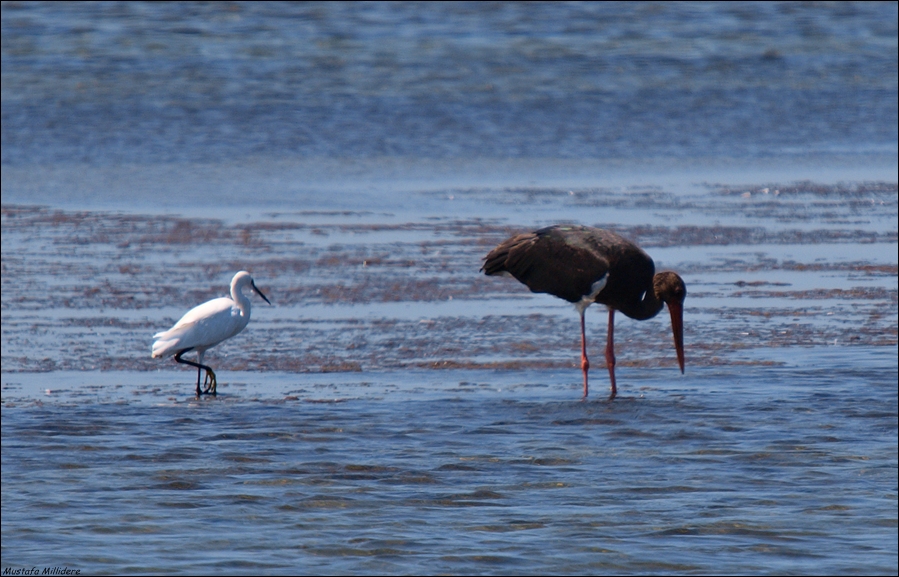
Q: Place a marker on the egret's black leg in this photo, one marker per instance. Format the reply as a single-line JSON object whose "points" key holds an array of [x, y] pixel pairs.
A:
{"points": [[209, 382], [210, 375]]}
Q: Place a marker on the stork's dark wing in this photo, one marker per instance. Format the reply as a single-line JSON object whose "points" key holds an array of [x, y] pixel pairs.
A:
{"points": [[549, 261]]}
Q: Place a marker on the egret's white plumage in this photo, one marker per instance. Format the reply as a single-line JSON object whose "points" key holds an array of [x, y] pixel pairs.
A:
{"points": [[207, 325]]}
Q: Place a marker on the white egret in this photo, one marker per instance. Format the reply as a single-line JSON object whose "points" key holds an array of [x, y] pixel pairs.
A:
{"points": [[207, 325]]}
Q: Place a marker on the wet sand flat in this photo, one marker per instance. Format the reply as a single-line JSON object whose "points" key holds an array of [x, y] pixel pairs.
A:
{"points": [[362, 291]]}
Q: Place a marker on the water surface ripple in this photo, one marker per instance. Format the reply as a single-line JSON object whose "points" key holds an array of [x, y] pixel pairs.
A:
{"points": [[787, 470]]}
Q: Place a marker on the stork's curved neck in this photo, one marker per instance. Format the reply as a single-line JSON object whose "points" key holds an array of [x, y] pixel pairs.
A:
{"points": [[648, 307], [667, 287]]}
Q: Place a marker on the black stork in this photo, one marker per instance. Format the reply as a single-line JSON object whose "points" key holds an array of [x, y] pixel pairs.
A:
{"points": [[584, 265]]}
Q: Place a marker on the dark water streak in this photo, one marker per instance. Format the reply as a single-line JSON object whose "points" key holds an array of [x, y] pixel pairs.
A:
{"points": [[117, 83]]}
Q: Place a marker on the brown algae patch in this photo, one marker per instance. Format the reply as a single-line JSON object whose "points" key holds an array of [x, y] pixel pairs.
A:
{"points": [[86, 290]]}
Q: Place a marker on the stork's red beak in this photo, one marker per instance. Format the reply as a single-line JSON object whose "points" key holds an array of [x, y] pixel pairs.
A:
{"points": [[677, 325]]}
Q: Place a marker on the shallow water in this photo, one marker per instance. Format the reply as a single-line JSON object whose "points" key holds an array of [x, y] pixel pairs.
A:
{"points": [[395, 410], [728, 469]]}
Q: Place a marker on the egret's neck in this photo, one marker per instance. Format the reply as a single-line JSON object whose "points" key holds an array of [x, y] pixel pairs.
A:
{"points": [[243, 303]]}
